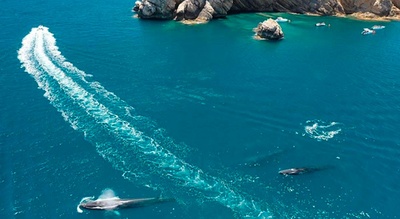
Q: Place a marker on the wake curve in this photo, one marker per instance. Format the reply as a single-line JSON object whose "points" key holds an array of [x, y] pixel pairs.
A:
{"points": [[107, 122]]}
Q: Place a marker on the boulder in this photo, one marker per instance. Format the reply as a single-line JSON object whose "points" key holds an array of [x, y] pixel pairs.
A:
{"points": [[202, 10], [189, 9], [269, 29], [155, 9], [206, 14]]}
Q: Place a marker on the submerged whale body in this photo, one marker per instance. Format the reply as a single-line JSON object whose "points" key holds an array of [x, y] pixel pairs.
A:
{"points": [[293, 171], [301, 170], [117, 203]]}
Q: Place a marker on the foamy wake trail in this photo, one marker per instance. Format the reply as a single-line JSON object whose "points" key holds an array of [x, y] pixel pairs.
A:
{"points": [[96, 112]]}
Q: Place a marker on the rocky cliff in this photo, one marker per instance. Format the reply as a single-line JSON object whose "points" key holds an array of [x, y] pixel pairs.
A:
{"points": [[205, 10]]}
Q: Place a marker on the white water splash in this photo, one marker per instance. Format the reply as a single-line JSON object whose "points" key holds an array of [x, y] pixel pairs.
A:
{"points": [[78, 209], [321, 130], [107, 193], [107, 197]]}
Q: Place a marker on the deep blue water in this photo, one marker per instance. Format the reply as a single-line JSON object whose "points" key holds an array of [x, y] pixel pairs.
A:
{"points": [[203, 113]]}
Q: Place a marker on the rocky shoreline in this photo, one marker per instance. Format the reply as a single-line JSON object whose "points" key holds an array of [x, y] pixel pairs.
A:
{"points": [[201, 11]]}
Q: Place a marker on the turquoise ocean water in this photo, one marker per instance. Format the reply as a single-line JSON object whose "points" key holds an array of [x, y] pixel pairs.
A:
{"points": [[203, 113]]}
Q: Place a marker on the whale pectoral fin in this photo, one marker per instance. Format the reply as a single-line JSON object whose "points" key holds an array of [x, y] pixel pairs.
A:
{"points": [[78, 209]]}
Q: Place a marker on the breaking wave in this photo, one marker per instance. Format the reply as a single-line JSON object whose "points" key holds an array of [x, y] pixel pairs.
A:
{"points": [[111, 125]]}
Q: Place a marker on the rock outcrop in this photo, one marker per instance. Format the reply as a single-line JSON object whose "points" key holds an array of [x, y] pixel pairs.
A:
{"points": [[269, 29], [205, 10], [194, 10], [396, 3], [156, 9], [322, 7], [378, 7], [198, 10]]}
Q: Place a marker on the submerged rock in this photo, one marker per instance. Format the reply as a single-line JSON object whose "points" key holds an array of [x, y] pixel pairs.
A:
{"points": [[269, 29]]}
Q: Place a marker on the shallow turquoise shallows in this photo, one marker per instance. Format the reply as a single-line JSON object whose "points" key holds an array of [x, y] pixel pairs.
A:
{"points": [[95, 99]]}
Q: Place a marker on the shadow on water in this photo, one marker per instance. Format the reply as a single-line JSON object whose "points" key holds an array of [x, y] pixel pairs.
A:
{"points": [[273, 159], [263, 159]]}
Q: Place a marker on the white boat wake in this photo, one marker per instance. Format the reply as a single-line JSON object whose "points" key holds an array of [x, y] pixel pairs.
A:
{"points": [[107, 122]]}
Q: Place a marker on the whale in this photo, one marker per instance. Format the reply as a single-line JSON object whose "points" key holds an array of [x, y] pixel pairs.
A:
{"points": [[302, 170], [293, 171], [114, 203]]}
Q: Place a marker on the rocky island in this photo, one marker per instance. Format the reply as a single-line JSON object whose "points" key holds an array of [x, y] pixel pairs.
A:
{"points": [[269, 29], [200, 11]]}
